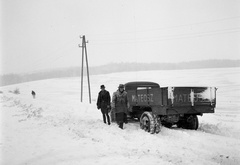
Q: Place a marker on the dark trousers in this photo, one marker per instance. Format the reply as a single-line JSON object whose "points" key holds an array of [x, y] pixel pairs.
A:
{"points": [[121, 118], [105, 114]]}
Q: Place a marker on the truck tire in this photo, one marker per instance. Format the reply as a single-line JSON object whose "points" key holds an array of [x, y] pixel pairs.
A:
{"points": [[192, 122], [157, 124], [147, 122]]}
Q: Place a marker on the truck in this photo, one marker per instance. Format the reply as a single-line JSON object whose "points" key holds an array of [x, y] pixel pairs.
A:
{"points": [[156, 106]]}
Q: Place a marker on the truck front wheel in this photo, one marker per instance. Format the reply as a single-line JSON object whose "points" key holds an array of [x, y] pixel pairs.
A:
{"points": [[147, 122]]}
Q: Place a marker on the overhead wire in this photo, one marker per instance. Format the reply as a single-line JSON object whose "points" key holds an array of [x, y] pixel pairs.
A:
{"points": [[192, 24], [114, 39], [167, 27], [51, 56], [171, 37]]}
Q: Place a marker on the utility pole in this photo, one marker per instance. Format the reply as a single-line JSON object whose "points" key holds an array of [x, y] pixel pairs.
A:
{"points": [[84, 52]]}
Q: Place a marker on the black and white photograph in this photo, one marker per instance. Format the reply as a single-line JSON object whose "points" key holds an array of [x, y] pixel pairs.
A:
{"points": [[120, 82]]}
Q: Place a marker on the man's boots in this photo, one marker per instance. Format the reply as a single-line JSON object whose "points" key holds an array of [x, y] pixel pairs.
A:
{"points": [[121, 125]]}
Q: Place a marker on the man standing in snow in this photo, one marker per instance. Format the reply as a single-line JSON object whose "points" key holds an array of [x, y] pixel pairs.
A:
{"points": [[103, 103], [120, 105]]}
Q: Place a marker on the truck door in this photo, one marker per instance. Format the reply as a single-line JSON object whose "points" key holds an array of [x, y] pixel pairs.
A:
{"points": [[155, 97], [145, 97]]}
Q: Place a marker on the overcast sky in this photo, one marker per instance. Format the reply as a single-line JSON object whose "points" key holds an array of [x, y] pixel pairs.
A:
{"points": [[44, 34]]}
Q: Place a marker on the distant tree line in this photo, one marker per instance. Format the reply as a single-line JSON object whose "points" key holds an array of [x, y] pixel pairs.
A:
{"points": [[115, 67], [125, 67]]}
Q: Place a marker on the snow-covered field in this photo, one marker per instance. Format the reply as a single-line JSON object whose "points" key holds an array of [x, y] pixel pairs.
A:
{"points": [[56, 128]]}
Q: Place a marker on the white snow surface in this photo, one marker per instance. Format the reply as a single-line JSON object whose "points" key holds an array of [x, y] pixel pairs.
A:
{"points": [[56, 128]]}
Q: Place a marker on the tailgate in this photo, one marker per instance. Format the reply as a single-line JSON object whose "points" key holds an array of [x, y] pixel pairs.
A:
{"points": [[191, 96]]}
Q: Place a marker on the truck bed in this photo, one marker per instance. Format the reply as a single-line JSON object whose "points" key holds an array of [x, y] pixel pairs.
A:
{"points": [[175, 100]]}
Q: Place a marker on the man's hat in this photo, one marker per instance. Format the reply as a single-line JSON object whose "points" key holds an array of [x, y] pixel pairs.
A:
{"points": [[121, 86], [102, 86]]}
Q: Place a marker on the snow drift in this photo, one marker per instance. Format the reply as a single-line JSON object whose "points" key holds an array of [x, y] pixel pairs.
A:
{"points": [[55, 128]]}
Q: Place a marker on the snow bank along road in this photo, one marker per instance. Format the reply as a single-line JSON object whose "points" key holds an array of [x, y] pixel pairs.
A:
{"points": [[55, 128]]}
